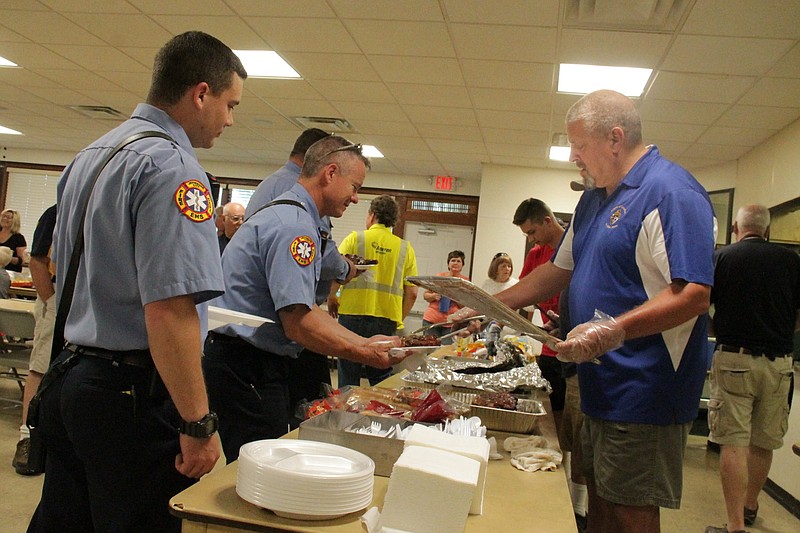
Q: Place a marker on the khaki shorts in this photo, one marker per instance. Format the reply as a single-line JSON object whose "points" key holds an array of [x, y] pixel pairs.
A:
{"points": [[569, 431], [749, 401], [45, 313], [635, 464]]}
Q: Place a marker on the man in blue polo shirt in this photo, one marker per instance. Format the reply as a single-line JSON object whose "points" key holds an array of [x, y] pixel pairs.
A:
{"points": [[638, 260]]}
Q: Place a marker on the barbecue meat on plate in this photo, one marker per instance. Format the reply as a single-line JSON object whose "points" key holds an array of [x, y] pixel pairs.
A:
{"points": [[410, 341]]}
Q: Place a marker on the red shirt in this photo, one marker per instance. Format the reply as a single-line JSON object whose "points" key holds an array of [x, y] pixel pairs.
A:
{"points": [[539, 255]]}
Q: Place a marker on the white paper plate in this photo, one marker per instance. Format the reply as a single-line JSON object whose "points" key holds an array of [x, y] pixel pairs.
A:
{"points": [[412, 361], [365, 267], [305, 458], [218, 317]]}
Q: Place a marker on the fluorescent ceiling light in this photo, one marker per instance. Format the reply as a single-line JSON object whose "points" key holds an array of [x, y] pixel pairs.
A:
{"points": [[559, 153], [9, 131], [6, 63], [370, 151], [265, 64], [583, 79]]}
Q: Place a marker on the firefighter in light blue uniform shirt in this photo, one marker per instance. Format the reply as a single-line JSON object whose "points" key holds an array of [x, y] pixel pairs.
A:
{"points": [[119, 443], [279, 271], [271, 269]]}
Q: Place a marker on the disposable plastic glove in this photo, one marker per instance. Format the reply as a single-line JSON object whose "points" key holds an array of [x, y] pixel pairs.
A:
{"points": [[590, 339]]}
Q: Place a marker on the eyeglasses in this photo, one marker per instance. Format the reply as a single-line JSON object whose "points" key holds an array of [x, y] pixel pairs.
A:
{"points": [[347, 147], [235, 218], [500, 254]]}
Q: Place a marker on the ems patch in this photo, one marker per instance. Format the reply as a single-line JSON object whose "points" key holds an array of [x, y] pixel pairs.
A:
{"points": [[617, 213], [194, 201], [303, 250]]}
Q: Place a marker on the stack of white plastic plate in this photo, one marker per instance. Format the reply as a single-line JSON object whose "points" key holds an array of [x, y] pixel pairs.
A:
{"points": [[303, 479]]}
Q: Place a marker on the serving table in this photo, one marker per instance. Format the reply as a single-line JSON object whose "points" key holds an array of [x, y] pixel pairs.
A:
{"points": [[514, 500], [28, 293]]}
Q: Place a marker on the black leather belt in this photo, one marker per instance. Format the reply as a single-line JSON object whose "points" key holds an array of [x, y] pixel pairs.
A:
{"points": [[213, 336], [747, 351], [137, 358]]}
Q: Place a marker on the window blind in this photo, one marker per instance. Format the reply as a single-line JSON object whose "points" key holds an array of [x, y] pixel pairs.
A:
{"points": [[31, 192]]}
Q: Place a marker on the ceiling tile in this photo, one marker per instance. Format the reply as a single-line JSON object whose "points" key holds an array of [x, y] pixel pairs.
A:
{"points": [[745, 18], [321, 66], [526, 13], [450, 116], [508, 74], [500, 43], [736, 136], [503, 99], [724, 55], [390, 10], [774, 118], [293, 35], [619, 49], [684, 112], [425, 39], [699, 87], [434, 95], [774, 91], [431, 70]]}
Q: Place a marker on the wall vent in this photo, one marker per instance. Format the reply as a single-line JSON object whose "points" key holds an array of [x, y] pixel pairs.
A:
{"points": [[330, 124], [101, 112], [632, 15]]}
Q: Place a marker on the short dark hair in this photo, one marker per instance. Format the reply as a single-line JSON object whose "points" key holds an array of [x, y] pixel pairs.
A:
{"points": [[457, 253], [188, 59], [532, 209], [306, 139], [385, 209]]}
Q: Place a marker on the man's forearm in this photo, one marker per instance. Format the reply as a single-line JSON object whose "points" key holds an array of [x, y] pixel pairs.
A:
{"points": [[40, 275], [173, 329], [671, 307], [409, 299]]}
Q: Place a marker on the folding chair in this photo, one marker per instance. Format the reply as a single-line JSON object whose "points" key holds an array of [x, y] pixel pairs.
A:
{"points": [[17, 322]]}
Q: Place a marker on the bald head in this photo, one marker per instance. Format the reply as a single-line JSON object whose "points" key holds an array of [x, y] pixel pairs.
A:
{"points": [[233, 214], [603, 110], [752, 220]]}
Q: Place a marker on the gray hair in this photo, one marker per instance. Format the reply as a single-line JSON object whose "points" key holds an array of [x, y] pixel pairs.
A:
{"points": [[753, 217], [604, 110], [331, 149]]}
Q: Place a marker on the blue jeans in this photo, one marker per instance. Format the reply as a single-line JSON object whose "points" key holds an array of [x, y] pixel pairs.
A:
{"points": [[366, 326]]}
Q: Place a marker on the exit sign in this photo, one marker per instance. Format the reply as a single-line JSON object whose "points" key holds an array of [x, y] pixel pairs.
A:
{"points": [[445, 183]]}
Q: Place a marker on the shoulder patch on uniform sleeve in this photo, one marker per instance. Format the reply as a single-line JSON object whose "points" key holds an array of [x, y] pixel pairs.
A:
{"points": [[194, 201], [303, 250]]}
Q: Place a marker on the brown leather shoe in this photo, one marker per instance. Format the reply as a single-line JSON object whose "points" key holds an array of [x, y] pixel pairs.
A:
{"points": [[20, 461]]}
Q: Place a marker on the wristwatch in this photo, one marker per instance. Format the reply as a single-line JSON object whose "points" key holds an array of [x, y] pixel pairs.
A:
{"points": [[203, 428]]}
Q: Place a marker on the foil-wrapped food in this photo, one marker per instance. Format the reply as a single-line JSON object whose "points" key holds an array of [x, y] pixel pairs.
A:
{"points": [[509, 371]]}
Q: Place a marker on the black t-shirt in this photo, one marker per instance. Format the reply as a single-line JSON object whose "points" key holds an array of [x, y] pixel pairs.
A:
{"points": [[43, 234], [14, 242], [756, 295]]}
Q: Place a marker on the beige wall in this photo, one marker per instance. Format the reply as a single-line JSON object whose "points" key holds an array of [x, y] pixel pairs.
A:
{"points": [[502, 190]]}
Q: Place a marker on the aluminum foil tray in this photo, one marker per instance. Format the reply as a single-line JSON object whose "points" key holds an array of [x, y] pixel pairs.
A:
{"points": [[470, 295], [519, 421], [439, 371]]}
